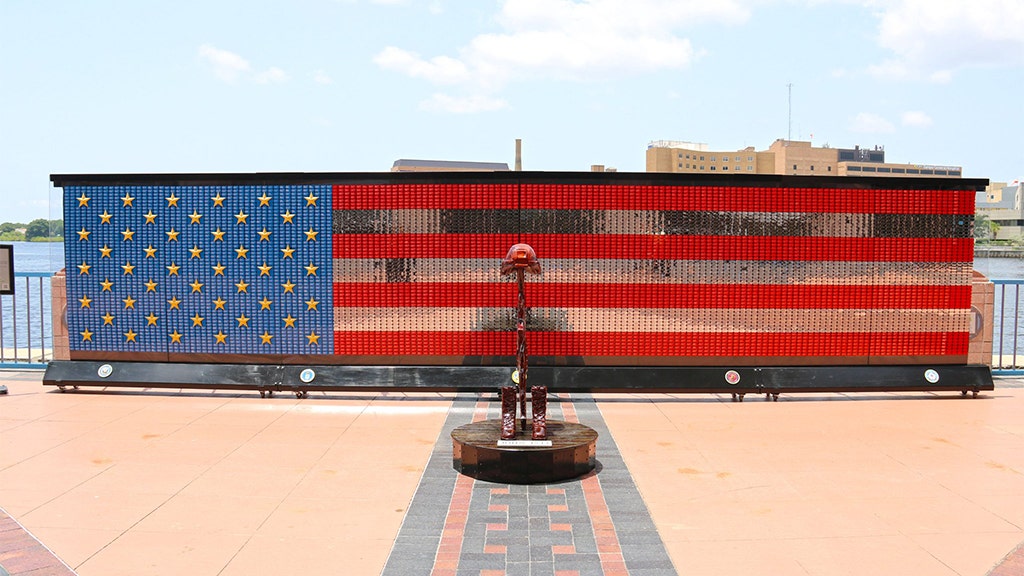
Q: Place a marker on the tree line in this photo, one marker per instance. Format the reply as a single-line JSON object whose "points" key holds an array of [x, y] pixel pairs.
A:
{"points": [[38, 230]]}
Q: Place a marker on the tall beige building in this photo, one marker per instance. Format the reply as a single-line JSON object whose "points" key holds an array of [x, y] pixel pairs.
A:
{"points": [[784, 157]]}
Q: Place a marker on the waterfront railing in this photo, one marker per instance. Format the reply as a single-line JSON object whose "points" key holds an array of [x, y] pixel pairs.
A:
{"points": [[26, 333]]}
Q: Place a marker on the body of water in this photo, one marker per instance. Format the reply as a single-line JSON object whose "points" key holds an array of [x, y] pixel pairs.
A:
{"points": [[21, 327], [49, 257]]}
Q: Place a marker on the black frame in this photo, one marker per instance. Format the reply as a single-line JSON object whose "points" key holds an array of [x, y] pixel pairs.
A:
{"points": [[8, 271]]}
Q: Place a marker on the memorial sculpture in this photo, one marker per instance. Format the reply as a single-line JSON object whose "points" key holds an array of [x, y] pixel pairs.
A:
{"points": [[521, 259]]}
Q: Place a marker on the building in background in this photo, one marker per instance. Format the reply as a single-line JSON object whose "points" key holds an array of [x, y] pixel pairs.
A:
{"points": [[405, 165], [784, 157], [1001, 202]]}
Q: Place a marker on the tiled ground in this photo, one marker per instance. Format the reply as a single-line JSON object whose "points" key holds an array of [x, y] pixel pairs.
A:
{"points": [[224, 483]]}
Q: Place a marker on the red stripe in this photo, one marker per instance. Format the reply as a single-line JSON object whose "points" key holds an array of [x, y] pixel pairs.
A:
{"points": [[634, 344], [432, 196], [552, 295], [652, 247], [701, 198]]}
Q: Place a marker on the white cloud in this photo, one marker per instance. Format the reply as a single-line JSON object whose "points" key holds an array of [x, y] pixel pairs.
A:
{"points": [[933, 38], [226, 65], [272, 75], [916, 119], [231, 67], [438, 70], [321, 77], [464, 105], [570, 40], [869, 123]]}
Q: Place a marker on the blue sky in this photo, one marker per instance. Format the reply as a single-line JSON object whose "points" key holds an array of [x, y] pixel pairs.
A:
{"points": [[352, 85]]}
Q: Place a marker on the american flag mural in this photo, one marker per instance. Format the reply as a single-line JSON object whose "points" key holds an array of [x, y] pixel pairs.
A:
{"points": [[636, 270]]}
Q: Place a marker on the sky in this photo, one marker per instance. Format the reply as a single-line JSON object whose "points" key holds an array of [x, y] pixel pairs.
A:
{"points": [[188, 86]]}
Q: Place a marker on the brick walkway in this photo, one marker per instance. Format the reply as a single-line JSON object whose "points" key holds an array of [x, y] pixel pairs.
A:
{"points": [[597, 525], [21, 554]]}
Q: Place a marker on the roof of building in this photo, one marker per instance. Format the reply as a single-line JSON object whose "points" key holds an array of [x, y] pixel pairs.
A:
{"points": [[450, 165]]}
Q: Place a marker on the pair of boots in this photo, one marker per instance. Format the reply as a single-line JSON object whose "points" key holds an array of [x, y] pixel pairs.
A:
{"points": [[539, 397]]}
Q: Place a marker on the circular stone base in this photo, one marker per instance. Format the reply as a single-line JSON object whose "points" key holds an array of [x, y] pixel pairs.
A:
{"points": [[475, 453]]}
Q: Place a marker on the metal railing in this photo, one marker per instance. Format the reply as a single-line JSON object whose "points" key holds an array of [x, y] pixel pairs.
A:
{"points": [[1007, 340], [26, 334], [26, 337]]}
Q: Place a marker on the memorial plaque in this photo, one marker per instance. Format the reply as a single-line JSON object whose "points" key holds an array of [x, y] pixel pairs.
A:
{"points": [[6, 269]]}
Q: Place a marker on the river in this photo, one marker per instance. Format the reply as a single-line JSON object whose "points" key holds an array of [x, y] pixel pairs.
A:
{"points": [[49, 257]]}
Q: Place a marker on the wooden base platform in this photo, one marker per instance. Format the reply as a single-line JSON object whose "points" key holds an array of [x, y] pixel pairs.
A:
{"points": [[475, 453]]}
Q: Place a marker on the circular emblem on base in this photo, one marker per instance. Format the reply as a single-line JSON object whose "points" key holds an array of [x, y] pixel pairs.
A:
{"points": [[307, 375], [105, 370], [732, 377], [475, 453], [515, 376], [931, 376]]}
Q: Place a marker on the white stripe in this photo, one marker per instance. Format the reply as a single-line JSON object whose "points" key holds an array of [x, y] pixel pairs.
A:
{"points": [[428, 319]]}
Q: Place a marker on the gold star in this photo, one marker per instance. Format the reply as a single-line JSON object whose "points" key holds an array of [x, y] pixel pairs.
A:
{"points": [[197, 286], [172, 200], [85, 301], [86, 335], [105, 217], [265, 269], [173, 303], [172, 270], [106, 285], [242, 286], [151, 286], [218, 270], [197, 320], [264, 200], [150, 217], [83, 200], [128, 234], [195, 216], [129, 336], [288, 251], [311, 199], [266, 337], [288, 286], [218, 200], [218, 235], [241, 251], [108, 319], [241, 217], [314, 339], [175, 337], [311, 269], [243, 321], [312, 303], [265, 303], [83, 234], [310, 234], [288, 216], [83, 268], [219, 303], [129, 302], [289, 321], [264, 235], [128, 268], [127, 200], [151, 319], [221, 337], [105, 251], [195, 251], [150, 251], [172, 235]]}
